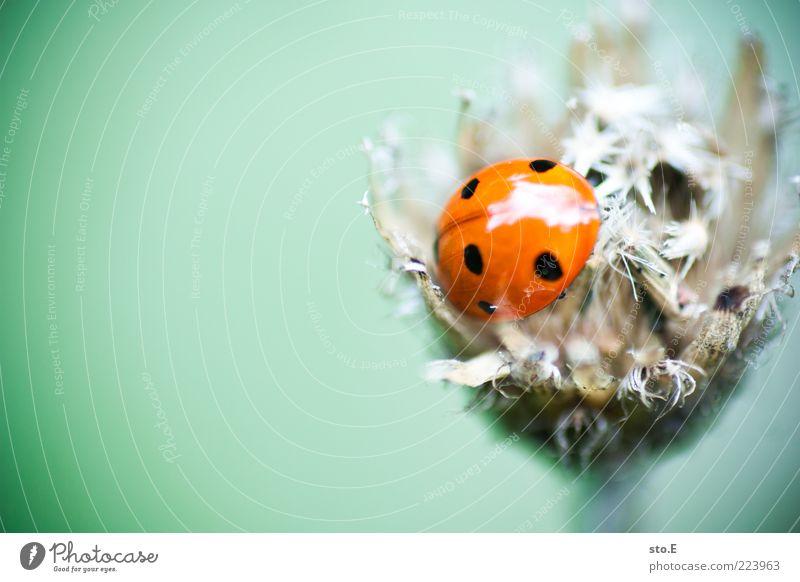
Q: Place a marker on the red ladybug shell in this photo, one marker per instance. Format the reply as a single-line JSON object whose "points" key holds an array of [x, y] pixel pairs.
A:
{"points": [[514, 237]]}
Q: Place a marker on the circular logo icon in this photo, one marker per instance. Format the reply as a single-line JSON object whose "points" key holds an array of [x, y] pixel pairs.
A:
{"points": [[31, 555]]}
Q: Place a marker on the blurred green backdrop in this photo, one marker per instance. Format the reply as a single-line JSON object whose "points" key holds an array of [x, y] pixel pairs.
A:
{"points": [[191, 333]]}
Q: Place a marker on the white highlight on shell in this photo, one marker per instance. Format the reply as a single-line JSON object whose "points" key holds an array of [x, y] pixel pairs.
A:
{"points": [[556, 205]]}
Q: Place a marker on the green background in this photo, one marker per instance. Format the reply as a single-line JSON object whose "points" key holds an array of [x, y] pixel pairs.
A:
{"points": [[227, 362]]}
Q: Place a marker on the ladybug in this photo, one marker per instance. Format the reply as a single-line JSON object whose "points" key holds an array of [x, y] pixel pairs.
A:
{"points": [[514, 236]]}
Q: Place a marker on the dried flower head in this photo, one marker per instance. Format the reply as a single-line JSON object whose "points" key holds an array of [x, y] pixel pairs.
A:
{"points": [[683, 281]]}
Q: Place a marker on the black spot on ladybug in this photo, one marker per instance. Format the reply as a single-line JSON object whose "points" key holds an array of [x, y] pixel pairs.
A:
{"points": [[469, 189], [547, 267], [731, 298], [542, 165], [473, 259], [487, 307]]}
